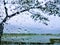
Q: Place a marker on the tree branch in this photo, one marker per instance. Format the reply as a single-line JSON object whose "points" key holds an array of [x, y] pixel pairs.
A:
{"points": [[9, 16], [23, 11], [5, 12]]}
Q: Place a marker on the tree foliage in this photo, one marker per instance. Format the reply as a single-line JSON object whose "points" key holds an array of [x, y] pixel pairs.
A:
{"points": [[50, 7]]}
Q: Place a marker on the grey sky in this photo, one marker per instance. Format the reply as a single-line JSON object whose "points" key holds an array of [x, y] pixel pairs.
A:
{"points": [[25, 22]]}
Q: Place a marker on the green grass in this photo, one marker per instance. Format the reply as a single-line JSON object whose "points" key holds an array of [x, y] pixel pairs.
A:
{"points": [[9, 42], [14, 34]]}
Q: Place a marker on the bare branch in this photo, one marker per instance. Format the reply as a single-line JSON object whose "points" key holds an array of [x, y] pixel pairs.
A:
{"points": [[22, 11], [9, 16], [5, 12]]}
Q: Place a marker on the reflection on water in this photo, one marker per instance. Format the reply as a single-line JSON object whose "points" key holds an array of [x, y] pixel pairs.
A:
{"points": [[31, 39]]}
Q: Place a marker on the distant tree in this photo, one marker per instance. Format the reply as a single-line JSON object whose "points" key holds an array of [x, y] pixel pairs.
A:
{"points": [[50, 7]]}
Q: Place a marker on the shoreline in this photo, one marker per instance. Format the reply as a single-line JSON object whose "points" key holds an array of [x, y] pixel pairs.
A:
{"points": [[30, 34]]}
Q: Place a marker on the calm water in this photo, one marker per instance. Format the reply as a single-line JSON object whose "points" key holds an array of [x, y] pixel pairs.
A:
{"points": [[31, 38]]}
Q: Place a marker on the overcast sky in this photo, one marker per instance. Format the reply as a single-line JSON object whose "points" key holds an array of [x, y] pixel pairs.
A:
{"points": [[23, 23]]}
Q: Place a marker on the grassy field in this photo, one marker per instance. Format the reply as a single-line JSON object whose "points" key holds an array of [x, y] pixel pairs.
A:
{"points": [[14, 34]]}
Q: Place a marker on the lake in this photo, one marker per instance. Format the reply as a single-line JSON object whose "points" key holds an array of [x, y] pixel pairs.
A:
{"points": [[32, 39]]}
